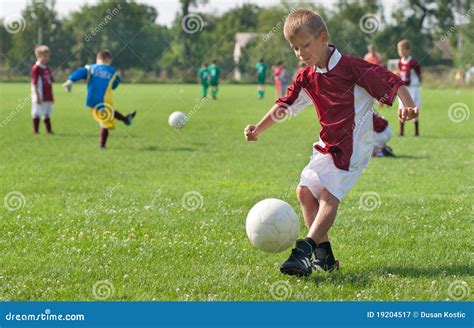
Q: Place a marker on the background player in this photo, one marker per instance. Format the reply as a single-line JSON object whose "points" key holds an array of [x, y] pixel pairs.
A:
{"points": [[261, 68], [41, 90], [203, 75], [101, 79], [410, 73], [214, 73]]}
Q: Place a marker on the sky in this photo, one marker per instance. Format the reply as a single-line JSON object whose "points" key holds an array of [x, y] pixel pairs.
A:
{"points": [[167, 9]]}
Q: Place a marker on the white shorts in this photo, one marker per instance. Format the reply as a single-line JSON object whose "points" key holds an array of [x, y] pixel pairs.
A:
{"points": [[321, 173], [43, 110], [381, 139], [415, 95]]}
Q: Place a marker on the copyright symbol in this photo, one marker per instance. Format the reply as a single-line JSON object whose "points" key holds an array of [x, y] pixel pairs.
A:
{"points": [[416, 314]]}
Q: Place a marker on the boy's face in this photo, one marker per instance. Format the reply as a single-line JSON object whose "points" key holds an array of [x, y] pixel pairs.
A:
{"points": [[309, 49], [43, 57], [403, 51]]}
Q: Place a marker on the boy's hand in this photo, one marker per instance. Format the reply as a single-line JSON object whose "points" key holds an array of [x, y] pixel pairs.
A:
{"points": [[407, 113], [251, 133], [68, 85]]}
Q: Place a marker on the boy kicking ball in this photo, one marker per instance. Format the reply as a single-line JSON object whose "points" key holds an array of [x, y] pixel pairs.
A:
{"points": [[101, 79], [342, 88]]}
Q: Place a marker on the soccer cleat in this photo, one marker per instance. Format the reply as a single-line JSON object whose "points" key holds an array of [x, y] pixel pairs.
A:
{"points": [[128, 120], [298, 264], [387, 151], [320, 265]]}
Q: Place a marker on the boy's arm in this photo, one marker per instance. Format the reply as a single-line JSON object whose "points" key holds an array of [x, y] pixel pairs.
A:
{"points": [[275, 114], [34, 81], [116, 82], [294, 102], [409, 110], [79, 74]]}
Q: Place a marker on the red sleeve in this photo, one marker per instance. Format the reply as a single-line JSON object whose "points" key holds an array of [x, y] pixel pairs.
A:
{"points": [[291, 96], [296, 99], [378, 81], [34, 74]]}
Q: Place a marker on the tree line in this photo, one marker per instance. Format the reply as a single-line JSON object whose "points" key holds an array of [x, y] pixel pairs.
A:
{"points": [[129, 30]]}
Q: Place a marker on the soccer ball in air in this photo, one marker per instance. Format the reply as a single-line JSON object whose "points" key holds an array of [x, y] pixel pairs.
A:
{"points": [[177, 120], [272, 225]]}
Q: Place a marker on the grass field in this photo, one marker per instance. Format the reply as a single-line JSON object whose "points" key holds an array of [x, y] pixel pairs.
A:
{"points": [[160, 215]]}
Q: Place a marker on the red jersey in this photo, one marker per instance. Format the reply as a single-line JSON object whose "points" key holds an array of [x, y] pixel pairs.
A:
{"points": [[380, 123], [42, 77], [409, 71], [276, 72], [343, 95]]}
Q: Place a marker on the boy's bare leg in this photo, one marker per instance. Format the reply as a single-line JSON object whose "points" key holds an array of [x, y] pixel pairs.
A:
{"points": [[325, 217], [309, 205], [315, 213]]}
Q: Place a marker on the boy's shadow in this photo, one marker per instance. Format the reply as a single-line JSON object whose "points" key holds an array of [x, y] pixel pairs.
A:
{"points": [[359, 279], [426, 272], [407, 157], [181, 149], [363, 278], [75, 135]]}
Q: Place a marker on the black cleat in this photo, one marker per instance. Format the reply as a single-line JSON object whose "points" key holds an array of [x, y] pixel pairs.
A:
{"points": [[130, 117], [387, 151], [299, 263], [320, 265]]}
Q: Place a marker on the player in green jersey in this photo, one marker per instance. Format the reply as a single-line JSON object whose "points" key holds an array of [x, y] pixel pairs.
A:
{"points": [[214, 72], [261, 68], [203, 74]]}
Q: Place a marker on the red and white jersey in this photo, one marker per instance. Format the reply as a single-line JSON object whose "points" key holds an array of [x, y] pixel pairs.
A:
{"points": [[42, 77], [342, 94], [380, 123], [409, 71]]}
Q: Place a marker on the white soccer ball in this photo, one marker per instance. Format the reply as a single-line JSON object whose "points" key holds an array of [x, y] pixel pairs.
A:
{"points": [[272, 225], [177, 120]]}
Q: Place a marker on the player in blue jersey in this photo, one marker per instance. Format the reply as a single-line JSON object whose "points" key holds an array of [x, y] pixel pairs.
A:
{"points": [[101, 79]]}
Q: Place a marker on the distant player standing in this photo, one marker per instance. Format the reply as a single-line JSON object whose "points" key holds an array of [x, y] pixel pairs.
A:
{"points": [[410, 73], [214, 73], [373, 57], [203, 74], [276, 78], [101, 79], [261, 68], [41, 90]]}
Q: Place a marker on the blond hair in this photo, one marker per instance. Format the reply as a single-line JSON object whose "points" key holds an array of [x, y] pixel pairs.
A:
{"points": [[41, 50], [303, 19], [405, 44]]}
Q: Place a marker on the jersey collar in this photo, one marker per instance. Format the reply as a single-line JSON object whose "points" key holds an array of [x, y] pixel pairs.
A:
{"points": [[407, 60], [40, 65], [334, 58]]}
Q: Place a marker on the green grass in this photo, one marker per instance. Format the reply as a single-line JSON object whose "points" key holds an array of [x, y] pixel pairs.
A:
{"points": [[117, 215]]}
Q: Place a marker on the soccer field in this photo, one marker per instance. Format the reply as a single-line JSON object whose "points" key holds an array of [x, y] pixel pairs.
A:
{"points": [[160, 214]]}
